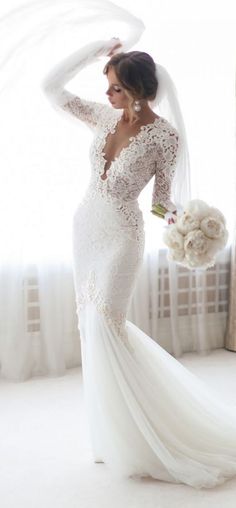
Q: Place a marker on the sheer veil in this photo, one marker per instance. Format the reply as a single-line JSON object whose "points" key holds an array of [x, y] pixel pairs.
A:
{"points": [[169, 107]]}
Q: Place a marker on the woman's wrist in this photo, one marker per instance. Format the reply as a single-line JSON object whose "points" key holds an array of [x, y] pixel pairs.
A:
{"points": [[108, 45], [170, 217]]}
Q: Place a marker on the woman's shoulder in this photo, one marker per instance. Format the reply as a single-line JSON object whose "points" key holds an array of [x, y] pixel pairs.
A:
{"points": [[167, 127], [163, 136]]}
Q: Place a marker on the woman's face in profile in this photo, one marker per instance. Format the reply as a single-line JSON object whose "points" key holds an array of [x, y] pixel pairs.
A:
{"points": [[115, 91]]}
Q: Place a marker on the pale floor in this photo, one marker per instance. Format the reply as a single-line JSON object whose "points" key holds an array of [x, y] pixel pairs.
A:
{"points": [[45, 455]]}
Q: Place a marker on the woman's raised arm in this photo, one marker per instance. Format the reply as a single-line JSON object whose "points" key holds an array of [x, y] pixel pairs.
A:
{"points": [[53, 85]]}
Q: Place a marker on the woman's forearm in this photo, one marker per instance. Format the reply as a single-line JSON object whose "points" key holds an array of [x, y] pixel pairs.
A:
{"points": [[66, 70]]}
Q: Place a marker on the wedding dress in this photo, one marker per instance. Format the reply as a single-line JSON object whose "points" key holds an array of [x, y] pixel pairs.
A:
{"points": [[148, 415]]}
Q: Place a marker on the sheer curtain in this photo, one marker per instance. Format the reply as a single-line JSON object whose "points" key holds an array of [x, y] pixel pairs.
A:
{"points": [[230, 336], [45, 170]]}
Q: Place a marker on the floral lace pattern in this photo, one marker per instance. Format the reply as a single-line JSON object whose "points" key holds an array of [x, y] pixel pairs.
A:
{"points": [[90, 112], [90, 292], [152, 151], [108, 244]]}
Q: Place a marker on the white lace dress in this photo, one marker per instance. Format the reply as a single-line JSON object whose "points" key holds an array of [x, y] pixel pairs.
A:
{"points": [[148, 415]]}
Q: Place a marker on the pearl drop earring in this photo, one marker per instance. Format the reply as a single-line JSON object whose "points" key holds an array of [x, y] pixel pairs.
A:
{"points": [[137, 106]]}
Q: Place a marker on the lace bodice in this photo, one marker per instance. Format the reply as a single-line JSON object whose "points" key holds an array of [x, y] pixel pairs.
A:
{"points": [[150, 153]]}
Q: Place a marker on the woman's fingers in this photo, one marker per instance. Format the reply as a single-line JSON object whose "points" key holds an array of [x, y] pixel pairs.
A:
{"points": [[117, 45]]}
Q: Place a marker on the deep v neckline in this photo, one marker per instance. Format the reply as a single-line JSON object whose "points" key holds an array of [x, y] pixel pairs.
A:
{"points": [[132, 139]]}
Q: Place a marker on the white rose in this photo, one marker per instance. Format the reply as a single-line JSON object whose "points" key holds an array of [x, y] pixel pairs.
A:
{"points": [[172, 238], [193, 260], [198, 208], [214, 212], [218, 243], [196, 242], [212, 227], [176, 255], [186, 223], [197, 235]]}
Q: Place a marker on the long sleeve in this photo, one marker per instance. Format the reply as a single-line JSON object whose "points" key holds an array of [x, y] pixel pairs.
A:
{"points": [[52, 85], [165, 171]]}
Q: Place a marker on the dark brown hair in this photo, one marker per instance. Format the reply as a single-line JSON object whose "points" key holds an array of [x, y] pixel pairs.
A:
{"points": [[136, 71]]}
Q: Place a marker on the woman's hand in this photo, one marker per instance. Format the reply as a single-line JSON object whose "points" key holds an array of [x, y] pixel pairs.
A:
{"points": [[117, 45], [108, 47], [172, 220]]}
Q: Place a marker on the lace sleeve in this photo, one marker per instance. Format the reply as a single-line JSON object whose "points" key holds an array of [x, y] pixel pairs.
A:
{"points": [[165, 170], [91, 113], [52, 85]]}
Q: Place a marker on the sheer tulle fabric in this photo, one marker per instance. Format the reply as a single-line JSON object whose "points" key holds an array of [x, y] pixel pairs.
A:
{"points": [[148, 415]]}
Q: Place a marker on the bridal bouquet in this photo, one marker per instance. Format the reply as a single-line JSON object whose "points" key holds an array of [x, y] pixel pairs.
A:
{"points": [[196, 236]]}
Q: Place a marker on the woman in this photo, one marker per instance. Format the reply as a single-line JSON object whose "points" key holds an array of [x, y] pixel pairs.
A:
{"points": [[148, 415]]}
